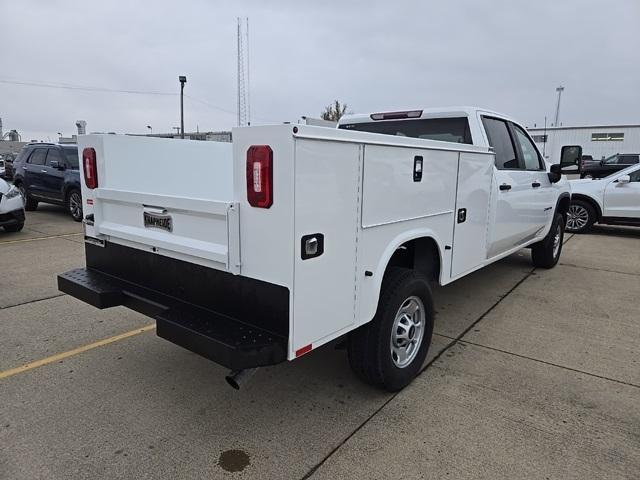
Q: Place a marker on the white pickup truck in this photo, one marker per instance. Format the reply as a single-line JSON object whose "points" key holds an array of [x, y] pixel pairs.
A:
{"points": [[259, 251]]}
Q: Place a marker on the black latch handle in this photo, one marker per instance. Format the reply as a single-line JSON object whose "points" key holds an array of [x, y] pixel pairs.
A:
{"points": [[417, 168]]}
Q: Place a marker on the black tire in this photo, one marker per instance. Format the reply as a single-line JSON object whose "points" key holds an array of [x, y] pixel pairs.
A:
{"points": [[14, 228], [546, 253], [29, 203], [74, 204], [370, 347], [576, 214]]}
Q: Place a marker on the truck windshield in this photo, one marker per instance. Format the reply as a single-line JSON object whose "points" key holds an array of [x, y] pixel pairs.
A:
{"points": [[453, 129], [72, 157]]}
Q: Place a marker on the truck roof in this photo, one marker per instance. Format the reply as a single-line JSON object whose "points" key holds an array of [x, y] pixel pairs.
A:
{"points": [[415, 113]]}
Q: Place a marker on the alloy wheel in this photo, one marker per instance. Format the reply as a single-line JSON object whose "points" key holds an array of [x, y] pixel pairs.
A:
{"points": [[407, 331], [577, 217], [75, 205]]}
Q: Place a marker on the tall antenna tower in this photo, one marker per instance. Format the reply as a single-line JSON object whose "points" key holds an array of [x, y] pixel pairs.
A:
{"points": [[244, 107]]}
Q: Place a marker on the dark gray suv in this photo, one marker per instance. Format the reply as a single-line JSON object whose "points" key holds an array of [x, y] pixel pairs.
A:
{"points": [[47, 172]]}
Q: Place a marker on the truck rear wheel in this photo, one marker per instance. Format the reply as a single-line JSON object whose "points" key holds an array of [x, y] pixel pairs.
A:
{"points": [[546, 253], [389, 351]]}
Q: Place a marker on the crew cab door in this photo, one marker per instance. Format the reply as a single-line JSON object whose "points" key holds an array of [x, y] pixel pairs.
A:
{"points": [[519, 198], [623, 199]]}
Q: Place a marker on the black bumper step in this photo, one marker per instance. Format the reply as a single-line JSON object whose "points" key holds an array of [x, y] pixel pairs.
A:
{"points": [[227, 341]]}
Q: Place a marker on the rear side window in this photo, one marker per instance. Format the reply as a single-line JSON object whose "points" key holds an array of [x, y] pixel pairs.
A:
{"points": [[455, 129], [500, 139], [38, 156], [628, 159]]}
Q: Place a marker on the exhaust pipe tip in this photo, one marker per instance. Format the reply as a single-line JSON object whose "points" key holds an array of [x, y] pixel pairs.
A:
{"points": [[232, 381], [237, 378]]}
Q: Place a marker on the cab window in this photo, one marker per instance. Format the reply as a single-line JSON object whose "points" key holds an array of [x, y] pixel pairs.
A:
{"points": [[500, 140]]}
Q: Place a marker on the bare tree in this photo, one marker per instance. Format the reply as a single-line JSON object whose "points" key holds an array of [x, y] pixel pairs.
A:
{"points": [[334, 111]]}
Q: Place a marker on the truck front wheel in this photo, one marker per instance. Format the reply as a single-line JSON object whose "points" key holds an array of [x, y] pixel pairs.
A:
{"points": [[389, 351], [546, 253]]}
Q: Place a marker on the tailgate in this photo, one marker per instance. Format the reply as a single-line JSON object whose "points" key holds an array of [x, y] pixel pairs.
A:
{"points": [[172, 197]]}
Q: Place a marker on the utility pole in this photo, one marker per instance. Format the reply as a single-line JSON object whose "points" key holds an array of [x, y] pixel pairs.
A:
{"points": [[183, 80], [544, 135], [560, 89]]}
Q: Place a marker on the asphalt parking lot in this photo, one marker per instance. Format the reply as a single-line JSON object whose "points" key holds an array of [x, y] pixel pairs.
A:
{"points": [[532, 374]]}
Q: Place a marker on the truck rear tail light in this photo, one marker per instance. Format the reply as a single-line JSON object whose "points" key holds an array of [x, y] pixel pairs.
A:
{"points": [[90, 168], [260, 176], [396, 115]]}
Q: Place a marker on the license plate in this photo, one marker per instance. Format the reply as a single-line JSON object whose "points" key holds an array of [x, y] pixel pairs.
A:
{"points": [[154, 220]]}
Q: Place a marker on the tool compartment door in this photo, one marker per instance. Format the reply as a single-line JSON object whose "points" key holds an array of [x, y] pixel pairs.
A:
{"points": [[327, 189], [475, 174]]}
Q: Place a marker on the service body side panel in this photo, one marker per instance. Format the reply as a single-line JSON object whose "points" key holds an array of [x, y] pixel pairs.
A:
{"points": [[396, 209], [266, 241], [327, 189]]}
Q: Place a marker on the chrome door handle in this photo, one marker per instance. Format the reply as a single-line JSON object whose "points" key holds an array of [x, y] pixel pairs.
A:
{"points": [[43, 171]]}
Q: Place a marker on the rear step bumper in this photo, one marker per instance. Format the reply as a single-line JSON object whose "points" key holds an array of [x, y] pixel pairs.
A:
{"points": [[225, 340]]}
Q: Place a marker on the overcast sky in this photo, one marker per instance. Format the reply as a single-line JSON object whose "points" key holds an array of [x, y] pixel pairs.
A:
{"points": [[504, 55]]}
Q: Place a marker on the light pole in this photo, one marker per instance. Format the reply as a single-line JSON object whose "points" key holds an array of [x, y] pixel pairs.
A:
{"points": [[150, 129], [183, 80], [560, 89]]}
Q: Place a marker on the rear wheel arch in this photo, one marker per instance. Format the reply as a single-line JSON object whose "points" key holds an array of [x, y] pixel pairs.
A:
{"points": [[421, 254]]}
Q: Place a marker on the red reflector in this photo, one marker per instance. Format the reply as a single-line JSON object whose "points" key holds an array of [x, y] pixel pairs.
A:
{"points": [[303, 350], [89, 201], [90, 168], [260, 176]]}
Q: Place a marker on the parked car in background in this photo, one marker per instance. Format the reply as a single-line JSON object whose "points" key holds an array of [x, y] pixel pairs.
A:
{"points": [[11, 207], [6, 166], [47, 172], [613, 200], [602, 168]]}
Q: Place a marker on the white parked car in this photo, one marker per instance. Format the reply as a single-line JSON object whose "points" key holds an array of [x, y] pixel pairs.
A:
{"points": [[11, 207], [613, 200], [295, 235]]}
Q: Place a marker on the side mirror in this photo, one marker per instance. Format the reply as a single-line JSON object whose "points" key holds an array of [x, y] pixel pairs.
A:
{"points": [[56, 164], [570, 156], [555, 173], [624, 179]]}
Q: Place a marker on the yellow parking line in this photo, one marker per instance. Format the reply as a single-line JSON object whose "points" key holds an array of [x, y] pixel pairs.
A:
{"points": [[61, 356], [39, 238]]}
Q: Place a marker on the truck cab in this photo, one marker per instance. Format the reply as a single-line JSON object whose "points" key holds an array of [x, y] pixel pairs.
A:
{"points": [[519, 177]]}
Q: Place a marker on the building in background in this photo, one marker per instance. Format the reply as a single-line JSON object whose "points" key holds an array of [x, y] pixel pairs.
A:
{"points": [[223, 136], [599, 141]]}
